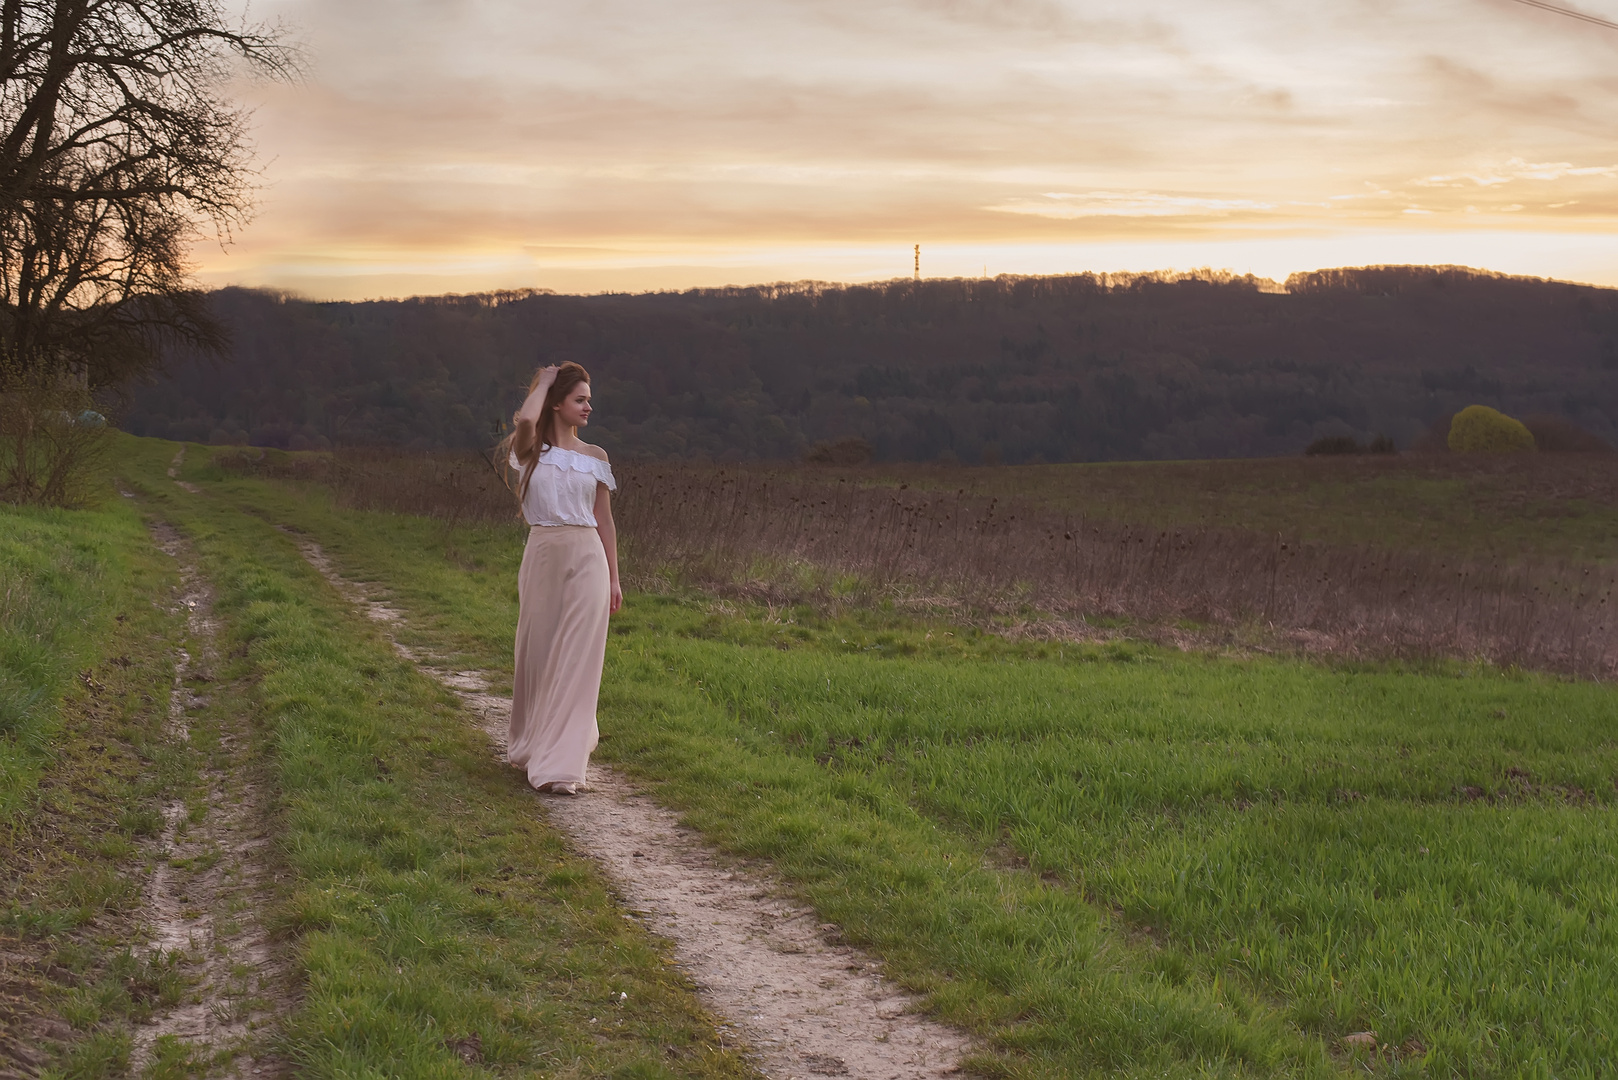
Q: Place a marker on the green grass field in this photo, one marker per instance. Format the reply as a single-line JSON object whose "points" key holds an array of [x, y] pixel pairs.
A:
{"points": [[1107, 859], [1114, 859]]}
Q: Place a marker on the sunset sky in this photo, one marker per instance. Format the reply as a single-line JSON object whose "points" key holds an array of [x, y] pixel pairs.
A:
{"points": [[463, 145]]}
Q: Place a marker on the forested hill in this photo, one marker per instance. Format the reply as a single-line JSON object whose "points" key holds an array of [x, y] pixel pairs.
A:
{"points": [[1009, 369]]}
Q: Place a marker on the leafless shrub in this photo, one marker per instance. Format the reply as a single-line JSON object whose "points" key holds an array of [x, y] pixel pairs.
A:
{"points": [[49, 438]]}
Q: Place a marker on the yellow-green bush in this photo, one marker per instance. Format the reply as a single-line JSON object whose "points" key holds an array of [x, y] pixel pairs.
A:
{"points": [[1480, 429]]}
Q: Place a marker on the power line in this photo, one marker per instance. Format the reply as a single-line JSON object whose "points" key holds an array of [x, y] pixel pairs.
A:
{"points": [[1581, 16]]}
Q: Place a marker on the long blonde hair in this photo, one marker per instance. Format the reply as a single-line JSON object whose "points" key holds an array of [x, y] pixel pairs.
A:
{"points": [[568, 376]]}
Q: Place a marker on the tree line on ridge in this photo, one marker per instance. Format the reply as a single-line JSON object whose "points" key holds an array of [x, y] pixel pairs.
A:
{"points": [[1011, 369]]}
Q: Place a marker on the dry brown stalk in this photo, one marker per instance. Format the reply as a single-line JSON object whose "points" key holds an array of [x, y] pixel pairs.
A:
{"points": [[782, 535]]}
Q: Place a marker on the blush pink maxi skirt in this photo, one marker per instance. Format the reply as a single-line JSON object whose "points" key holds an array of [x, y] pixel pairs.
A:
{"points": [[563, 594]]}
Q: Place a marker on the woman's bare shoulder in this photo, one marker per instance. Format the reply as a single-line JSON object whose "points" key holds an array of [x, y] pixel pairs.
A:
{"points": [[591, 449]]}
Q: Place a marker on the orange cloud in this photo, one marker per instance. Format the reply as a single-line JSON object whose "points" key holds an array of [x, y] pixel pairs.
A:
{"points": [[445, 144]]}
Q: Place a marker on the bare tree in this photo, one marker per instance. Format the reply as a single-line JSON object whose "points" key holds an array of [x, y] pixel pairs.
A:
{"points": [[118, 147]]}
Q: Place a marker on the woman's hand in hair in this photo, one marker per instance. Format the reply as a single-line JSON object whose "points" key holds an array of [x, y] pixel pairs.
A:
{"points": [[525, 421], [534, 404]]}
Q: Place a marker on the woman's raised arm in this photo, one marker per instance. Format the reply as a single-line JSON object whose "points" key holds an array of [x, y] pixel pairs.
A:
{"points": [[526, 420]]}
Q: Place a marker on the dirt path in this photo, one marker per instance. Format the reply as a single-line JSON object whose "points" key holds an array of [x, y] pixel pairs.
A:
{"points": [[211, 880], [174, 474], [806, 1005]]}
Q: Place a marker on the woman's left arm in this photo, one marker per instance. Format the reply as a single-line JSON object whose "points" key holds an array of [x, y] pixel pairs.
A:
{"points": [[608, 531]]}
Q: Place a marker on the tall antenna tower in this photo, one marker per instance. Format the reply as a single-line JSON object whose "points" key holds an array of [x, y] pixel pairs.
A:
{"points": [[918, 262]]}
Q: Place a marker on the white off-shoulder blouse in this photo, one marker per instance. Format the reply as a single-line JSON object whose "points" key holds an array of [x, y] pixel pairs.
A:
{"points": [[563, 488]]}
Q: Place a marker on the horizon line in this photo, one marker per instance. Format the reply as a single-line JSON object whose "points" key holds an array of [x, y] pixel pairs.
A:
{"points": [[1168, 276]]}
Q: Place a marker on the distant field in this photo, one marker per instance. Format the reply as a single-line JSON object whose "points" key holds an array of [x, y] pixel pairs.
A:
{"points": [[1531, 506], [1359, 558], [1109, 859], [1537, 506], [1507, 559]]}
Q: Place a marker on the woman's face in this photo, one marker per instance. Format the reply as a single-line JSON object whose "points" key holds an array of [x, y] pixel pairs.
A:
{"points": [[574, 411]]}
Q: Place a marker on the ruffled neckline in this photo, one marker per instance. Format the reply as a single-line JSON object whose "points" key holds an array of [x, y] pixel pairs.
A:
{"points": [[573, 454], [563, 458]]}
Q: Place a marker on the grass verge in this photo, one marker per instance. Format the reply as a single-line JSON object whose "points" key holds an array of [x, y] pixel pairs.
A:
{"points": [[59, 574]]}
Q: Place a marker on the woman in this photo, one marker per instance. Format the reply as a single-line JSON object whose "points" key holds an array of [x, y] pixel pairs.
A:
{"points": [[568, 584]]}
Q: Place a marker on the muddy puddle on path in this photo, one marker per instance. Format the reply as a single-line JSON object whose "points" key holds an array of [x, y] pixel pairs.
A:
{"points": [[803, 1004], [211, 882]]}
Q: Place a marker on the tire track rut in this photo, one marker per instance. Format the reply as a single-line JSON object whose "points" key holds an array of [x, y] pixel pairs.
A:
{"points": [[211, 885]]}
